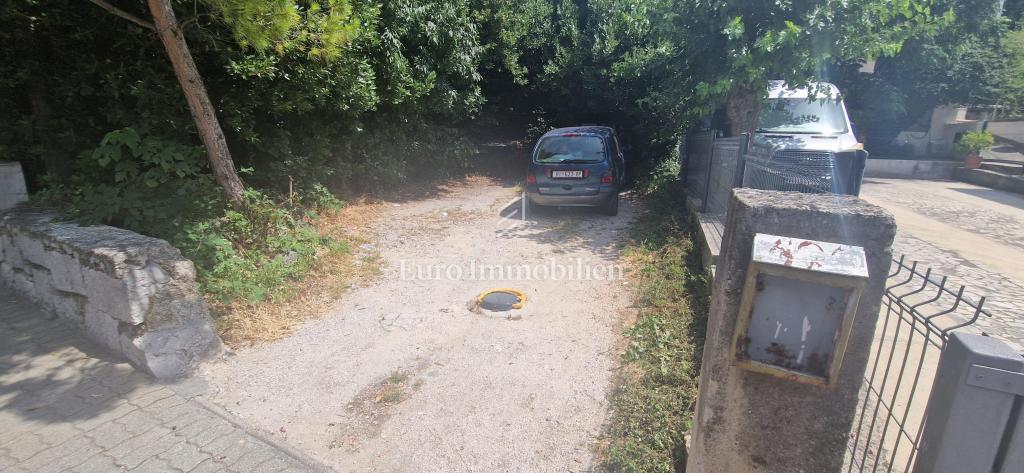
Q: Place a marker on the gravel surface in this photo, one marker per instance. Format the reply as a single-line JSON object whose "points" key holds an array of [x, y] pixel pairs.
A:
{"points": [[406, 374]]}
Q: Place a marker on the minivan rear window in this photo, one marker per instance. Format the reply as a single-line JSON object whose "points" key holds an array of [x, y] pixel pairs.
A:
{"points": [[571, 149]]}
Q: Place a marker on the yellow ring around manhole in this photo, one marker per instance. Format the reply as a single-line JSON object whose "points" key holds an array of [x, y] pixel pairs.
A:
{"points": [[517, 293]]}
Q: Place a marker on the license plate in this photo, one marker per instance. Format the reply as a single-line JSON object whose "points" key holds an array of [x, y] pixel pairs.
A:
{"points": [[567, 174]]}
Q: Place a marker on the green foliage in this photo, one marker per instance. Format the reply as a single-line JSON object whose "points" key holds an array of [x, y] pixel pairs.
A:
{"points": [[359, 95], [142, 182], [294, 81], [961, 69], [139, 181], [653, 408], [256, 252], [661, 174], [1013, 47], [973, 142], [967, 57], [317, 28]]}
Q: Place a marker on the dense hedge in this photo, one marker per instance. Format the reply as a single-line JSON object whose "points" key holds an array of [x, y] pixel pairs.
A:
{"points": [[356, 95]]}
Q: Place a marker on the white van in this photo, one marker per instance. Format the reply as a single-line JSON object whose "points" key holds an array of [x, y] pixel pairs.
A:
{"points": [[806, 130]]}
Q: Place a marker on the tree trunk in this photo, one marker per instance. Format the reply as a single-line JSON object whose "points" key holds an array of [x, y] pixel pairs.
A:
{"points": [[743, 107], [198, 102]]}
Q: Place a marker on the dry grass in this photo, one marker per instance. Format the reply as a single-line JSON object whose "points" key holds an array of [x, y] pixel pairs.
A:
{"points": [[244, 323], [392, 390]]}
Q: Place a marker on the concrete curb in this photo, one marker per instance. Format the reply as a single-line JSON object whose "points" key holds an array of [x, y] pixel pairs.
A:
{"points": [[990, 179], [910, 169], [301, 457], [1009, 141]]}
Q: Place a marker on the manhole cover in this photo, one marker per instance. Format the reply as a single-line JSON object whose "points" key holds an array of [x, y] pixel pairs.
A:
{"points": [[501, 299]]}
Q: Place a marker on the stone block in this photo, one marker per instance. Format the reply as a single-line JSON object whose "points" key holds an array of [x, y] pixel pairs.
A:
{"points": [[12, 185], [6, 271], [134, 294], [9, 251], [66, 274], [68, 306], [41, 282], [108, 295], [21, 281], [102, 328]]}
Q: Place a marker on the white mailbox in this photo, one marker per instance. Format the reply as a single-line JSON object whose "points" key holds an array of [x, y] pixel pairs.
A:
{"points": [[797, 307]]}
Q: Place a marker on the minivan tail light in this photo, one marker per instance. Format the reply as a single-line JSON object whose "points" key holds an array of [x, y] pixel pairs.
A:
{"points": [[607, 178], [531, 179]]}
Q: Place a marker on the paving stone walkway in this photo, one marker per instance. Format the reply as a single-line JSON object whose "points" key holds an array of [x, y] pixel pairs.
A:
{"points": [[66, 406], [934, 216], [1004, 297]]}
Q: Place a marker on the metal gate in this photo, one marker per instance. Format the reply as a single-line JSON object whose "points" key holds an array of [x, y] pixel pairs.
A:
{"points": [[713, 167], [919, 311]]}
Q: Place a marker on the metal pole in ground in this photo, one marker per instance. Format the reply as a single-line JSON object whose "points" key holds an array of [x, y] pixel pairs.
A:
{"points": [[523, 202]]}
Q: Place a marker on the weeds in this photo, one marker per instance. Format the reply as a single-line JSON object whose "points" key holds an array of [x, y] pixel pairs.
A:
{"points": [[653, 406], [329, 274], [392, 390], [258, 251], [249, 258]]}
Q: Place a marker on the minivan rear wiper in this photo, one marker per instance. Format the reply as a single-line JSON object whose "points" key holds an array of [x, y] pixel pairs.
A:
{"points": [[576, 161]]}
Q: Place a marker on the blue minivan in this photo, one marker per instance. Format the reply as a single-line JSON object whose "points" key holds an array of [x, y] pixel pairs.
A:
{"points": [[581, 166]]}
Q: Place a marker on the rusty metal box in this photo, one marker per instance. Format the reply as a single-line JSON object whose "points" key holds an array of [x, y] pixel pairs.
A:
{"points": [[797, 307]]}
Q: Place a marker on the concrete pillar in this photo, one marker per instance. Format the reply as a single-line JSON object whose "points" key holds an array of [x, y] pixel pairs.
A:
{"points": [[747, 421], [12, 185]]}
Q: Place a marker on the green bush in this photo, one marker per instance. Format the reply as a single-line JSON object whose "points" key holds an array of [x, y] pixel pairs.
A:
{"points": [[256, 252], [154, 186], [973, 142], [137, 180]]}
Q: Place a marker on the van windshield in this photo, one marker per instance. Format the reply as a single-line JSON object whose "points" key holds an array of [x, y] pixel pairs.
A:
{"points": [[571, 149], [800, 115]]}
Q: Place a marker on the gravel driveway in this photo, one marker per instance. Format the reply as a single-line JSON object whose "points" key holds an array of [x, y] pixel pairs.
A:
{"points": [[406, 375]]}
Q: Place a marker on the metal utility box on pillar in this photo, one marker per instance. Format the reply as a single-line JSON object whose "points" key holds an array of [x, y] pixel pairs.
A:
{"points": [[764, 408], [798, 306]]}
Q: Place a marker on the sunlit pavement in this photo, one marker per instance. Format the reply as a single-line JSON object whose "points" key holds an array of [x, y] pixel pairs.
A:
{"points": [[973, 234], [67, 406]]}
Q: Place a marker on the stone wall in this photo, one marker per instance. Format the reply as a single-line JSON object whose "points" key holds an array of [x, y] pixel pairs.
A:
{"points": [[135, 294], [910, 169]]}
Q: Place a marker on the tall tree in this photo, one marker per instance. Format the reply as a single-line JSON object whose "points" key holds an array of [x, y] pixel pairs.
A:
{"points": [[198, 101], [325, 28], [744, 44]]}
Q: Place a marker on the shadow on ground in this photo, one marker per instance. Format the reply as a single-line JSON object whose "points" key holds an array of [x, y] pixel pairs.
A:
{"points": [[50, 374], [505, 162], [997, 196], [570, 229]]}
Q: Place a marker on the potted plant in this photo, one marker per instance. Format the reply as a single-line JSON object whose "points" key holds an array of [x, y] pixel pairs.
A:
{"points": [[970, 146]]}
